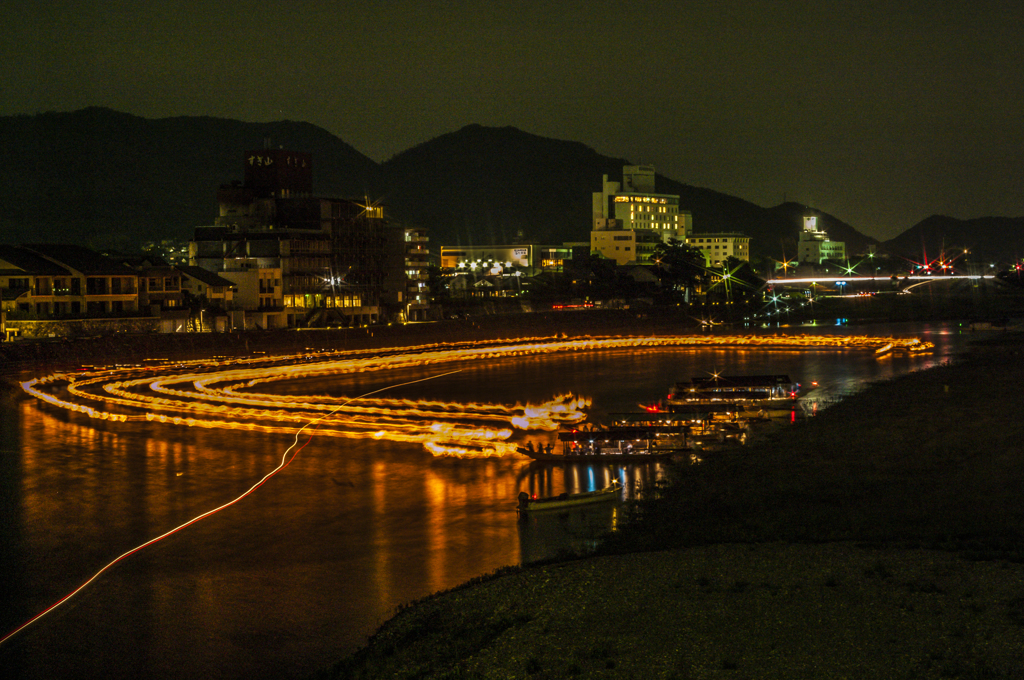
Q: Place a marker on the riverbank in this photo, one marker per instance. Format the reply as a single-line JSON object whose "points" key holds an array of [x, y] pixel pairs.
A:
{"points": [[58, 354], [884, 538]]}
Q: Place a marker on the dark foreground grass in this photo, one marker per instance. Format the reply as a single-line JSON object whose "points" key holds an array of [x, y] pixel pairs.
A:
{"points": [[932, 459], [884, 538]]}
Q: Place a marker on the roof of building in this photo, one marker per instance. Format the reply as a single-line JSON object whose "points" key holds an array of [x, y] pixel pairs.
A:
{"points": [[80, 258], [26, 262], [144, 261], [204, 276]]}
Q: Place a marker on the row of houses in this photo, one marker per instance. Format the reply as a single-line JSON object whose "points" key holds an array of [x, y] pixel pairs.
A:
{"points": [[276, 256], [62, 290], [59, 290]]}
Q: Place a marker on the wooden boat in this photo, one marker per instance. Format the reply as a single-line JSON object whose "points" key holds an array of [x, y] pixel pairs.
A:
{"points": [[528, 503]]}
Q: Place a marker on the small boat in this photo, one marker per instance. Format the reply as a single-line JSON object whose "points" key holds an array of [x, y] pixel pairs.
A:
{"points": [[528, 503]]}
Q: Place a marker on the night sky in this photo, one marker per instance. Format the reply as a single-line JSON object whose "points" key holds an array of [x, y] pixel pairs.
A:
{"points": [[881, 113]]}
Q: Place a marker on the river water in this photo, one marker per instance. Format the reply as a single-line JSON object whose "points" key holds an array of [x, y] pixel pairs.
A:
{"points": [[298, 574]]}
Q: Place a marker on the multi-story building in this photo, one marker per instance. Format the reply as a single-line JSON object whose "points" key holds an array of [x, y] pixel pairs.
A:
{"points": [[519, 256], [629, 218], [528, 258], [625, 246], [200, 283], [406, 276], [32, 284], [53, 283], [59, 280], [718, 248], [329, 255], [258, 298], [159, 284], [814, 245], [558, 258]]}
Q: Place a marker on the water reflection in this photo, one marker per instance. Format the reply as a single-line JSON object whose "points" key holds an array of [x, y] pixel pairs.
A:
{"points": [[301, 572], [576, 530]]}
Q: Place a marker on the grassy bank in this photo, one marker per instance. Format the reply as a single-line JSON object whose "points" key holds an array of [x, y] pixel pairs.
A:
{"points": [[884, 538]]}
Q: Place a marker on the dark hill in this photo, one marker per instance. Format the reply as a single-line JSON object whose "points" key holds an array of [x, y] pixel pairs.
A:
{"points": [[988, 239], [483, 185], [103, 178]]}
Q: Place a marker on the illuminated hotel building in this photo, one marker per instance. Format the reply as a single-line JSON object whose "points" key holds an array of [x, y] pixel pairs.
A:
{"points": [[629, 218], [814, 245]]}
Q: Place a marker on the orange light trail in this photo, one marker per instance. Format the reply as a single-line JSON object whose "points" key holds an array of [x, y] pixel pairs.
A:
{"points": [[225, 394], [285, 461]]}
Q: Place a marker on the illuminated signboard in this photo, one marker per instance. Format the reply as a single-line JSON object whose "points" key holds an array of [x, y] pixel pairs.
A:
{"points": [[520, 252]]}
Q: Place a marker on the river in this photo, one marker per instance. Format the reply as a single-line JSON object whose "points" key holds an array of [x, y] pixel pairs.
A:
{"points": [[298, 574]]}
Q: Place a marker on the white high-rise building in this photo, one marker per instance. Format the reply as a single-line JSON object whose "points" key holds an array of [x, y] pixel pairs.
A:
{"points": [[621, 210]]}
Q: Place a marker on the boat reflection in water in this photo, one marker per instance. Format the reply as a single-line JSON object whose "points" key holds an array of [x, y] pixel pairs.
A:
{"points": [[577, 530]]}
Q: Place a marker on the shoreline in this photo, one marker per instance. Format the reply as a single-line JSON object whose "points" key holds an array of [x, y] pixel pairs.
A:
{"points": [[23, 355], [898, 555], [530, 618]]}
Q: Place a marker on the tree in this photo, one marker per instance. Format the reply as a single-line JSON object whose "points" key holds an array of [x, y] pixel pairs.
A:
{"points": [[679, 266]]}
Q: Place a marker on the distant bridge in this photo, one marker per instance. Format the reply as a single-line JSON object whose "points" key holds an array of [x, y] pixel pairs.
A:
{"points": [[843, 281]]}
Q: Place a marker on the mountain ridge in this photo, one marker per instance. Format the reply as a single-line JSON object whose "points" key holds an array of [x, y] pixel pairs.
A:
{"points": [[105, 178]]}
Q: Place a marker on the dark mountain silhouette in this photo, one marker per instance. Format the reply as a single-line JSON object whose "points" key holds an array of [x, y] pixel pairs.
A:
{"points": [[102, 178], [987, 239], [485, 185]]}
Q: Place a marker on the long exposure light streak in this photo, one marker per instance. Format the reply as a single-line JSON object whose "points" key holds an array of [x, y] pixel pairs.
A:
{"points": [[231, 393], [285, 462]]}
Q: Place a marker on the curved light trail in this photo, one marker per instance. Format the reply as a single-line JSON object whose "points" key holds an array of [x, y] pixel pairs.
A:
{"points": [[223, 394], [233, 393]]}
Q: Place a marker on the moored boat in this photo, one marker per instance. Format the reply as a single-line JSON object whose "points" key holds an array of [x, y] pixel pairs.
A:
{"points": [[630, 438], [530, 503], [744, 393]]}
